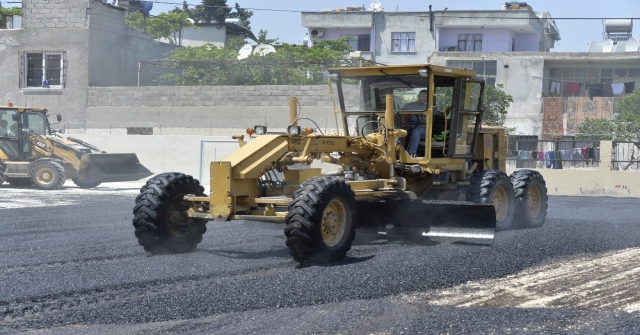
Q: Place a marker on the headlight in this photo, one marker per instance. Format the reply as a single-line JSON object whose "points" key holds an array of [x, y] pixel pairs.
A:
{"points": [[260, 130], [294, 130]]}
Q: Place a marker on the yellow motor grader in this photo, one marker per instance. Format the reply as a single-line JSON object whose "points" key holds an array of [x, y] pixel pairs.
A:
{"points": [[401, 165], [31, 153]]}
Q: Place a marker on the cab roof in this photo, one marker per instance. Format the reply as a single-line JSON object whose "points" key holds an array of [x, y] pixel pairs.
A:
{"points": [[375, 71]]}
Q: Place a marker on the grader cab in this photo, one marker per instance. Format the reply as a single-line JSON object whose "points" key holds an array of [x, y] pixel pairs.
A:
{"points": [[426, 166]]}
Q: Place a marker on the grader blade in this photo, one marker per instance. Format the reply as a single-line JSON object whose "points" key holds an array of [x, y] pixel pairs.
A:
{"points": [[436, 218], [111, 168]]}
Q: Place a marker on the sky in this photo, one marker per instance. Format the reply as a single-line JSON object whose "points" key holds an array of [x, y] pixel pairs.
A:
{"points": [[282, 18]]}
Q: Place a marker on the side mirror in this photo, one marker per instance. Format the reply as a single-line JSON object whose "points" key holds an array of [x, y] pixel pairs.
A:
{"points": [[58, 117], [15, 117]]}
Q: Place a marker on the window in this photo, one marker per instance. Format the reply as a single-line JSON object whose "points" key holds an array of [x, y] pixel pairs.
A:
{"points": [[403, 42], [43, 69], [484, 69], [470, 42], [556, 86], [360, 42]]}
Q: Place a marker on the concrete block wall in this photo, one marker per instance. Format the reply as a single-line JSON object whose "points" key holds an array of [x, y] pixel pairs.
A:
{"points": [[211, 96], [106, 17], [207, 110], [46, 14]]}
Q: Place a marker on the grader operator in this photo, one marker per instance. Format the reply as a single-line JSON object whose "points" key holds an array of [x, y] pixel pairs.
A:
{"points": [[454, 183]]}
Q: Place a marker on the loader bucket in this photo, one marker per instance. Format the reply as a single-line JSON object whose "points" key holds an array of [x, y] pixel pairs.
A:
{"points": [[106, 168], [456, 219]]}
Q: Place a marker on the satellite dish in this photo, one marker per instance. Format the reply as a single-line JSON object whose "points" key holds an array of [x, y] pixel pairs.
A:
{"points": [[191, 20], [263, 49], [325, 10], [375, 5], [245, 51]]}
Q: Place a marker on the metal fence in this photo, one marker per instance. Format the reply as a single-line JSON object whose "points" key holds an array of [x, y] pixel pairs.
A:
{"points": [[531, 152], [625, 156]]}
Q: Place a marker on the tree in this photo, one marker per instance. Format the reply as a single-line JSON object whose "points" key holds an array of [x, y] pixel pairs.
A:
{"points": [[495, 105], [217, 11], [262, 38], [243, 14], [291, 64], [628, 108], [165, 25], [4, 12]]}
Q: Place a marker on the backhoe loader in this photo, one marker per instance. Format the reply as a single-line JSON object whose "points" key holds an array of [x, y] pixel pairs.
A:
{"points": [[390, 174], [31, 153]]}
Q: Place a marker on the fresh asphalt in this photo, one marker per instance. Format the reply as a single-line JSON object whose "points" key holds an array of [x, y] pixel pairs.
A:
{"points": [[70, 264]]}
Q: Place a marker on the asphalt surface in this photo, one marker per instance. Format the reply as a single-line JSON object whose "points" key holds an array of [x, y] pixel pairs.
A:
{"points": [[70, 264]]}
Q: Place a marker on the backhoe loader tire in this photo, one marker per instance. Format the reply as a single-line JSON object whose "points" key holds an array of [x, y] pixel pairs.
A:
{"points": [[321, 222], [85, 184], [531, 200], [160, 215], [493, 187], [20, 182], [48, 175]]}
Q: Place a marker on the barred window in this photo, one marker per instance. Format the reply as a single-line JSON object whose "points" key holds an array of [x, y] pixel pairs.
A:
{"points": [[43, 69], [403, 42]]}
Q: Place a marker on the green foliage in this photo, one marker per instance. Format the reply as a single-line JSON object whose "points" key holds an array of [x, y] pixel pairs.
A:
{"points": [[262, 38], [606, 130], [628, 108], [218, 11], [165, 25], [211, 10], [4, 12], [291, 64], [242, 14], [495, 104]]}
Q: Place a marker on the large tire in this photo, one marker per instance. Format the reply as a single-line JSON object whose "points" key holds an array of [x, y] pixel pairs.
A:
{"points": [[20, 182], [48, 175], [321, 222], [493, 187], [85, 184], [531, 200], [2, 177], [160, 215]]}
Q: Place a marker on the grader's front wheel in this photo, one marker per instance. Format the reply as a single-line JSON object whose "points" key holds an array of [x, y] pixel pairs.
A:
{"points": [[493, 187], [321, 222], [160, 215]]}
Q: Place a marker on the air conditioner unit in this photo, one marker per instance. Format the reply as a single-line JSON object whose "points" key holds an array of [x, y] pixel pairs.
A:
{"points": [[317, 32]]}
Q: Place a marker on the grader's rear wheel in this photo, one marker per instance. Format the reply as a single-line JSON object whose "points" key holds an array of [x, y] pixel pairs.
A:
{"points": [[530, 192], [493, 187], [160, 215], [321, 222]]}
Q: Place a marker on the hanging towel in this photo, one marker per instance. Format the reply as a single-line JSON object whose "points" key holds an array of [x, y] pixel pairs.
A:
{"points": [[540, 155], [595, 90], [617, 88], [553, 162], [573, 87], [576, 156]]}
